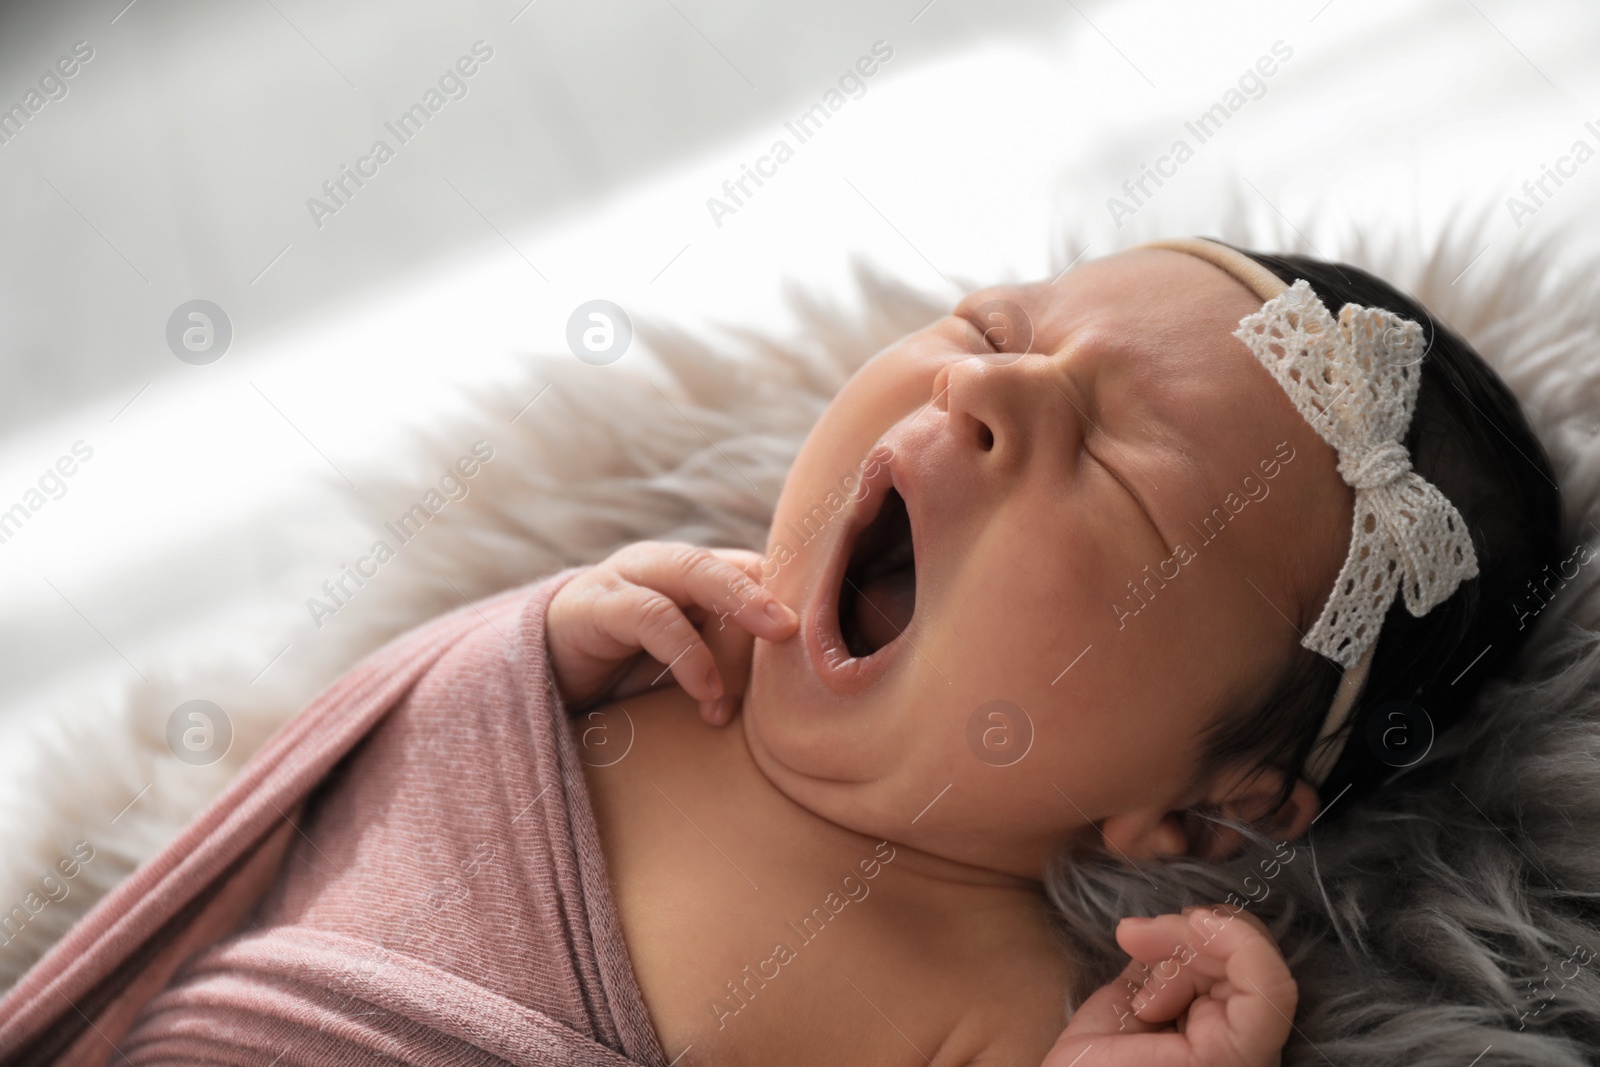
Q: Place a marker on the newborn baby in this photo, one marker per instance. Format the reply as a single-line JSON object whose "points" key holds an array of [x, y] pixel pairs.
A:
{"points": [[972, 525], [1113, 569], [1032, 489]]}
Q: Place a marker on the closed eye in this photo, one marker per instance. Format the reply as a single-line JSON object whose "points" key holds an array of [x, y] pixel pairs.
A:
{"points": [[1137, 499], [1083, 445]]}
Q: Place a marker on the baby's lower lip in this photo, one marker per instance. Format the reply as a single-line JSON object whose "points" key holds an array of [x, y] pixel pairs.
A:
{"points": [[840, 671]]}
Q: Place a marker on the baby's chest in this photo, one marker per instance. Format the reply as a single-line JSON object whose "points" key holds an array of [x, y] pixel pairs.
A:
{"points": [[764, 974]]}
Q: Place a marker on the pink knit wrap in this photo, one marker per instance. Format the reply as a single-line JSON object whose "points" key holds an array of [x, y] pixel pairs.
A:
{"points": [[434, 887]]}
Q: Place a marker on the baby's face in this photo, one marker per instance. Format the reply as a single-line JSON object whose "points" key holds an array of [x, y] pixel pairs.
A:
{"points": [[1007, 491]]}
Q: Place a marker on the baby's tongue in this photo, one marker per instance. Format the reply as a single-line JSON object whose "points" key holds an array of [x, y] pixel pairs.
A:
{"points": [[884, 605]]}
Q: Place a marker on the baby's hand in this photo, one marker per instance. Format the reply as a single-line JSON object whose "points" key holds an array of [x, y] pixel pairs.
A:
{"points": [[1207, 988], [655, 597]]}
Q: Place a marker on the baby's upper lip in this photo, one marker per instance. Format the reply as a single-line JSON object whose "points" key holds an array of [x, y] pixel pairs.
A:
{"points": [[872, 490], [905, 473]]}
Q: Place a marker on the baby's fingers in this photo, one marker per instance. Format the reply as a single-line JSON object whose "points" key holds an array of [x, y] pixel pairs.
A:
{"points": [[717, 580], [1170, 979], [1227, 957], [1258, 991], [1217, 944], [637, 617], [1111, 1008]]}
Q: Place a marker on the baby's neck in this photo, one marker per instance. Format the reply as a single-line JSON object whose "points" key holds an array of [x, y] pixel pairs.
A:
{"points": [[667, 721], [713, 866], [931, 867]]}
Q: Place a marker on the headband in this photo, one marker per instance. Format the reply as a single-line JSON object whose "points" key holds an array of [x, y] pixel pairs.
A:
{"points": [[1355, 381]]}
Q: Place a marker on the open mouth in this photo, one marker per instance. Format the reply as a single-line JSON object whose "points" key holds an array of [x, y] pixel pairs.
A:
{"points": [[878, 594]]}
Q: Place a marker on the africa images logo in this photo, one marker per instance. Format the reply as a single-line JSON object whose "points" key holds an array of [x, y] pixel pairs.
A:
{"points": [[452, 85], [852, 887], [1142, 594], [52, 86], [806, 126]]}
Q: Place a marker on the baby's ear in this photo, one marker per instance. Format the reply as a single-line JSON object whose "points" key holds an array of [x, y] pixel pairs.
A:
{"points": [[1252, 799]]}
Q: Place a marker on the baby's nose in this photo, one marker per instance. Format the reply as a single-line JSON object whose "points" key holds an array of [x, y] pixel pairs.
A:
{"points": [[1008, 412], [984, 405]]}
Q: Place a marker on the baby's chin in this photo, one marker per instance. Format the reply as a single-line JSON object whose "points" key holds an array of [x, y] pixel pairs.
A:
{"points": [[882, 790], [799, 730]]}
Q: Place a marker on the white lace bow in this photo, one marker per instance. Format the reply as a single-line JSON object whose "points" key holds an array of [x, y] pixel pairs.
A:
{"points": [[1355, 382]]}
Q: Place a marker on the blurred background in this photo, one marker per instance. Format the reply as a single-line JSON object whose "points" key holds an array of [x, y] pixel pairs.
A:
{"points": [[540, 154]]}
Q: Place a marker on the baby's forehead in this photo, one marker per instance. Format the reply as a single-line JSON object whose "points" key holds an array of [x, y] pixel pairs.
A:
{"points": [[1149, 331], [1141, 296]]}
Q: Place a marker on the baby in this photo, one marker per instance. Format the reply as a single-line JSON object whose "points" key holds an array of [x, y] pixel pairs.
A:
{"points": [[1085, 567], [1122, 569]]}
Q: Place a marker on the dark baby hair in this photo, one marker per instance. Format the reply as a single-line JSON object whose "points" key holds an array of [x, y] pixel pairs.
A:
{"points": [[1470, 438]]}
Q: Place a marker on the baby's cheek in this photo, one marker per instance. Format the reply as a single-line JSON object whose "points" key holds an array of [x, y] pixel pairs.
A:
{"points": [[1020, 624]]}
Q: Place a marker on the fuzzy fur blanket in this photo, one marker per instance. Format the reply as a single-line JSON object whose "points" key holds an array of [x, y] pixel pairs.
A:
{"points": [[1459, 923]]}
